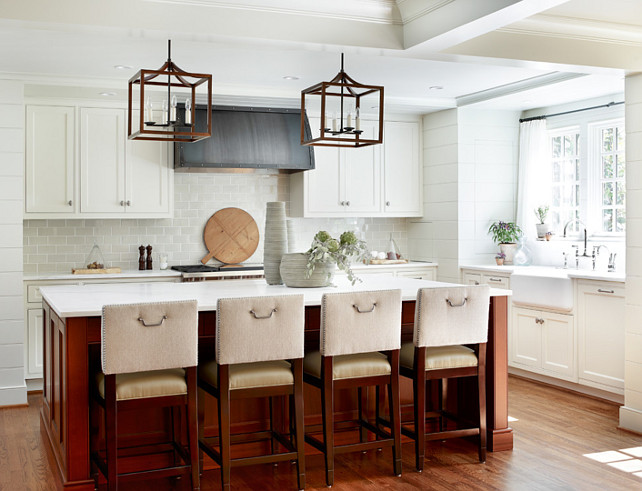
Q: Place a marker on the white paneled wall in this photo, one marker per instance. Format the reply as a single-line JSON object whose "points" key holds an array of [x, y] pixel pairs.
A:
{"points": [[12, 382], [470, 180], [631, 412], [488, 154], [435, 236], [59, 245]]}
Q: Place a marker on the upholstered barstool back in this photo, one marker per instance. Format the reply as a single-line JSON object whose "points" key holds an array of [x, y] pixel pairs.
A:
{"points": [[451, 316], [360, 322], [149, 336], [253, 329]]}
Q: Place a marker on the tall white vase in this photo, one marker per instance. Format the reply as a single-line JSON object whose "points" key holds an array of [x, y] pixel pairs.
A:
{"points": [[509, 251], [275, 242]]}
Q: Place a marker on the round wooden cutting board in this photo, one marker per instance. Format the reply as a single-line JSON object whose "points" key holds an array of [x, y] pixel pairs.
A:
{"points": [[231, 236]]}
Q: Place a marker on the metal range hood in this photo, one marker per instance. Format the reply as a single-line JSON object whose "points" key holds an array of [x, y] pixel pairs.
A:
{"points": [[245, 139]]}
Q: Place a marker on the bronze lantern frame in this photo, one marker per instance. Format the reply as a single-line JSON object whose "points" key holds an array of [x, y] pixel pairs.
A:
{"points": [[342, 86], [172, 130]]}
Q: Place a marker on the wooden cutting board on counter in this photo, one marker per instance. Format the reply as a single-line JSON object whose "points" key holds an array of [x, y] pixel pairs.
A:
{"points": [[231, 236]]}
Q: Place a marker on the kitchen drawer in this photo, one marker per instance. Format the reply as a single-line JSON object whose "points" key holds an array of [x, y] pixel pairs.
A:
{"points": [[33, 294], [496, 281], [472, 279]]}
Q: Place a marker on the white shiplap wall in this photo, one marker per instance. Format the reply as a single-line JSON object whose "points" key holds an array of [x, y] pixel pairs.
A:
{"points": [[12, 382], [631, 412]]}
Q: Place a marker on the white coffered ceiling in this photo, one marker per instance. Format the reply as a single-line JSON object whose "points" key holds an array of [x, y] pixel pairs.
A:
{"points": [[520, 54]]}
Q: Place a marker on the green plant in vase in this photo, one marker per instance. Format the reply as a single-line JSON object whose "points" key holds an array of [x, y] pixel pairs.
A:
{"points": [[343, 252], [541, 212], [506, 235]]}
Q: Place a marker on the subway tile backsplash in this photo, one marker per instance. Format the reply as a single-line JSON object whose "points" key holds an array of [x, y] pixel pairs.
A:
{"points": [[60, 245]]}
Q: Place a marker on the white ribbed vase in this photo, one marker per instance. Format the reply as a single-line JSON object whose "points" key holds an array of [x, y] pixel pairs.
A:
{"points": [[294, 267], [275, 242]]}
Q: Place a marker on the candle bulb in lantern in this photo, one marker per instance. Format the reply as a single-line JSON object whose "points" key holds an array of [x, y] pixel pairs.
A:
{"points": [[357, 120], [149, 115], [188, 111], [164, 112], [172, 114], [334, 122], [349, 120]]}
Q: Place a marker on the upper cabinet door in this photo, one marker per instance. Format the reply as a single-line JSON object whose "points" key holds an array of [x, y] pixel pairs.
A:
{"points": [[102, 160], [362, 175], [147, 178], [49, 171], [402, 181]]}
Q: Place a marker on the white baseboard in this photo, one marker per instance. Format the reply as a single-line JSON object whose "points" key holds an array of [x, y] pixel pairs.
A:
{"points": [[13, 396], [631, 419]]}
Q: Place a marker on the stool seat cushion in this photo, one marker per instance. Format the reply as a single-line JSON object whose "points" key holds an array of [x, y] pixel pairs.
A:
{"points": [[140, 385], [439, 357], [349, 366], [249, 375]]}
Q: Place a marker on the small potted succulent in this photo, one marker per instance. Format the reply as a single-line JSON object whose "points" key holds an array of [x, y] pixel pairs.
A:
{"points": [[499, 258], [506, 235], [541, 212]]}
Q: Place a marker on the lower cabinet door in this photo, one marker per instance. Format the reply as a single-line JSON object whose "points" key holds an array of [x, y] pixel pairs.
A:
{"points": [[527, 338], [559, 344], [35, 344]]}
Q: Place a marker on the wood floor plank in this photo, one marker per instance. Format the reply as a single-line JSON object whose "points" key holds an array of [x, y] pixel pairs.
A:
{"points": [[554, 432]]}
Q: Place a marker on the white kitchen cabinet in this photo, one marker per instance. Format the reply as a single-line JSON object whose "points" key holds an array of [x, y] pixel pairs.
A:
{"points": [[353, 181], [115, 178], [600, 313], [49, 162], [345, 181], [402, 169], [416, 270], [118, 176], [544, 342]]}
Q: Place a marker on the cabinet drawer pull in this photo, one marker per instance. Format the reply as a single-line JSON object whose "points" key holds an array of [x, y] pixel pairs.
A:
{"points": [[605, 291], [495, 279]]}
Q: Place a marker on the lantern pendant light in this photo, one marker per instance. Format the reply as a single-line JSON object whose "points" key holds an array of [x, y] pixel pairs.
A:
{"points": [[341, 103], [172, 123]]}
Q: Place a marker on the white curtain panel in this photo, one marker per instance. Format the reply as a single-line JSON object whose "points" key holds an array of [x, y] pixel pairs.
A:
{"points": [[534, 181]]}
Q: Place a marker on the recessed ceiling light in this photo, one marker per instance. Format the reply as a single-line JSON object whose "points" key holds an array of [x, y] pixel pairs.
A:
{"points": [[290, 77], [122, 67], [435, 87], [108, 94]]}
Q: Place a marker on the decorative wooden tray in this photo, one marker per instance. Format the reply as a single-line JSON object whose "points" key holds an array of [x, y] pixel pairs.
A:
{"points": [[388, 261], [95, 271]]}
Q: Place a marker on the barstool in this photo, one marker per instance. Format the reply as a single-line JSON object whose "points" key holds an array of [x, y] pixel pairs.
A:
{"points": [[149, 358], [446, 319], [355, 328], [259, 353]]}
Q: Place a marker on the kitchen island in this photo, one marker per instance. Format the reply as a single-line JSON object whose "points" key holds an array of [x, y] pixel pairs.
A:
{"points": [[72, 352]]}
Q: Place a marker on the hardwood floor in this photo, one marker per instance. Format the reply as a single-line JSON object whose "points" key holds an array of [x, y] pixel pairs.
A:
{"points": [[553, 433]]}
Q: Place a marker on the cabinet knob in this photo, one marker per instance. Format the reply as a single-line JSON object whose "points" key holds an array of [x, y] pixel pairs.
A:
{"points": [[343, 203], [347, 203], [128, 203], [476, 282], [387, 203], [122, 203], [70, 203]]}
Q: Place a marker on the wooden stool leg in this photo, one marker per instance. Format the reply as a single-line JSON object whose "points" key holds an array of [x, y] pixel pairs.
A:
{"points": [[272, 411], [224, 423], [363, 432], [481, 384], [394, 404], [327, 407], [111, 432], [419, 390], [299, 429], [201, 425], [192, 427]]}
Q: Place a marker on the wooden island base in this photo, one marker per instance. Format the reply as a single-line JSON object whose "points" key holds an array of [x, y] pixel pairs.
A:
{"points": [[71, 354]]}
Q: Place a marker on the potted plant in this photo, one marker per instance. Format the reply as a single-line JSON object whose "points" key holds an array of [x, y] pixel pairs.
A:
{"points": [[506, 234], [499, 258], [541, 212], [316, 266]]}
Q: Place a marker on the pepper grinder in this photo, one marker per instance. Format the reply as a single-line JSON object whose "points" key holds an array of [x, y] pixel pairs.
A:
{"points": [[149, 257], [141, 258]]}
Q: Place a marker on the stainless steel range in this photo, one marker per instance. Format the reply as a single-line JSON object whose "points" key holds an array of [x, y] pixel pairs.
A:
{"points": [[201, 272]]}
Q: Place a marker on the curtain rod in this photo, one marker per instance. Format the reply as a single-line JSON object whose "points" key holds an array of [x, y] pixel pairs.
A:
{"points": [[544, 116]]}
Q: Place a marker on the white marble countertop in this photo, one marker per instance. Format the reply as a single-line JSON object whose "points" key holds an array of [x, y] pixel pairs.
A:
{"points": [[408, 265], [142, 274], [88, 300], [551, 271]]}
